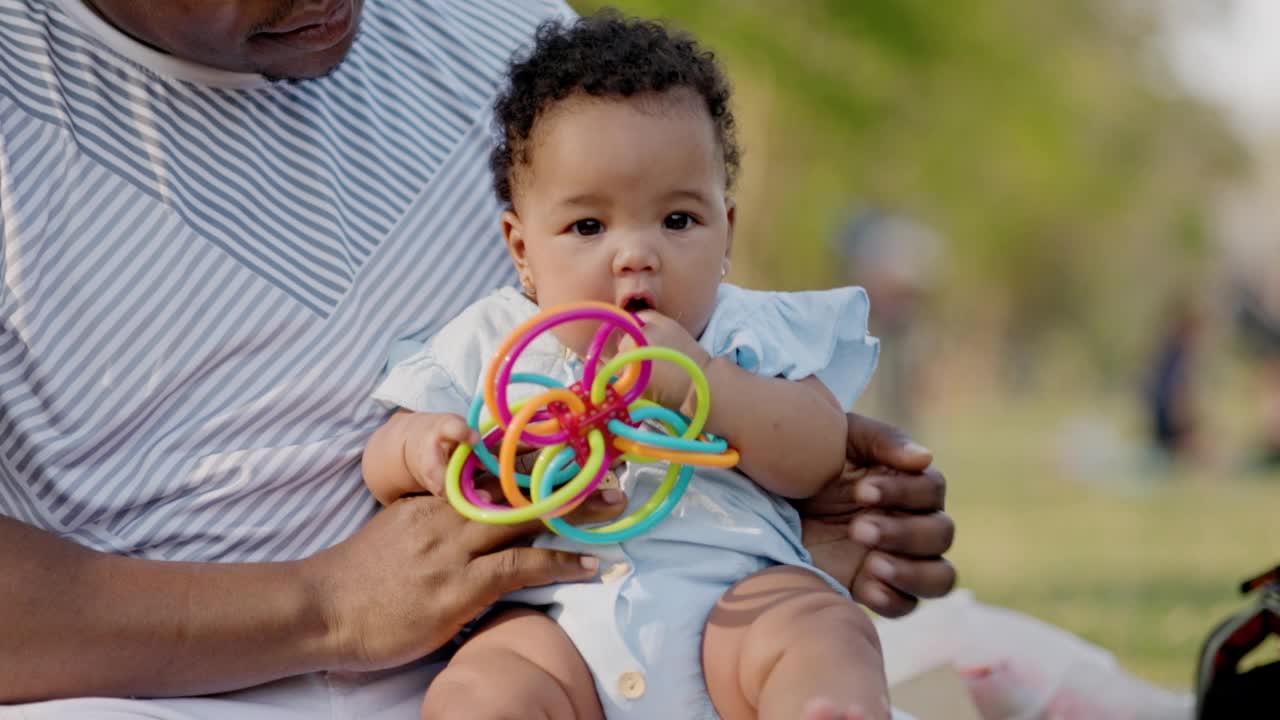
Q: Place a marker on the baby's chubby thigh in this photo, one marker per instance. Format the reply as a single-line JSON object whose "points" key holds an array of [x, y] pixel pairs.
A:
{"points": [[784, 637], [518, 664]]}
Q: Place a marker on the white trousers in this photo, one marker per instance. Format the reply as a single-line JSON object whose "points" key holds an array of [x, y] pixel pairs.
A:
{"points": [[385, 695]]}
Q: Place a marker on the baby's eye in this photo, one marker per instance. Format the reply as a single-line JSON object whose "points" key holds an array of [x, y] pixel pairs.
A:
{"points": [[677, 221], [588, 227]]}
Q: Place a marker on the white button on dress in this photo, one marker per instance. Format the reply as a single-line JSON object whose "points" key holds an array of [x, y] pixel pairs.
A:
{"points": [[615, 572], [631, 684]]}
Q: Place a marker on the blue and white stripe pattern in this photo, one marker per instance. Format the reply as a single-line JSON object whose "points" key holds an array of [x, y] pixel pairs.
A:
{"points": [[200, 283]]}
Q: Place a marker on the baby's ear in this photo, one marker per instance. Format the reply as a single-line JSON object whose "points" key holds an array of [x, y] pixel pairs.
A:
{"points": [[731, 215], [513, 235]]}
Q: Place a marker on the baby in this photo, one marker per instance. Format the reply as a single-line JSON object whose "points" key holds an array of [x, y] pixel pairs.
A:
{"points": [[616, 159]]}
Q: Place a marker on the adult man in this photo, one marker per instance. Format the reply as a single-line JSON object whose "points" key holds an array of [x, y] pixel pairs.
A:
{"points": [[203, 270]]}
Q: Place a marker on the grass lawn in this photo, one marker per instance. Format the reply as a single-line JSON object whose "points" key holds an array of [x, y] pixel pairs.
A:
{"points": [[1138, 560]]}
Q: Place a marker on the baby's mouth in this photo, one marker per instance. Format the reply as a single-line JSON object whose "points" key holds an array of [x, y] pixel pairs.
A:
{"points": [[636, 303]]}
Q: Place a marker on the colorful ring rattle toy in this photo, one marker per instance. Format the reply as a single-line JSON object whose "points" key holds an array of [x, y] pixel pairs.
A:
{"points": [[582, 431]]}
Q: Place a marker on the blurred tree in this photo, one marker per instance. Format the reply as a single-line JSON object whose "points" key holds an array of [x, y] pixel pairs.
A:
{"points": [[1044, 141]]}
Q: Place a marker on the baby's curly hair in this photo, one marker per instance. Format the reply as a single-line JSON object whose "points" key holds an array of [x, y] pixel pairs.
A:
{"points": [[605, 55]]}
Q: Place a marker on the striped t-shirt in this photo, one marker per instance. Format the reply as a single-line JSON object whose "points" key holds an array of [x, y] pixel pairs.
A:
{"points": [[203, 271]]}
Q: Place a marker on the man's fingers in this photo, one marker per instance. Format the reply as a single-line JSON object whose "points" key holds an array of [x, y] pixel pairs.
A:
{"points": [[498, 573], [872, 442], [882, 599], [922, 578], [836, 498], [916, 492], [919, 536]]}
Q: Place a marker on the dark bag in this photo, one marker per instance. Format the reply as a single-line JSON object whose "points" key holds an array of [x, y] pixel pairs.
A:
{"points": [[1222, 691]]}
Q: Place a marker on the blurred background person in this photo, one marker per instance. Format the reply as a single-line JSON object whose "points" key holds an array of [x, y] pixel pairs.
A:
{"points": [[895, 259], [1172, 389]]}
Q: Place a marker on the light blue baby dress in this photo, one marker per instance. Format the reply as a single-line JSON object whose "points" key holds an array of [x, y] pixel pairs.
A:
{"points": [[640, 626]]}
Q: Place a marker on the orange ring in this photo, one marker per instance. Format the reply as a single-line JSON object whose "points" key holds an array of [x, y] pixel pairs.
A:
{"points": [[727, 459], [511, 439]]}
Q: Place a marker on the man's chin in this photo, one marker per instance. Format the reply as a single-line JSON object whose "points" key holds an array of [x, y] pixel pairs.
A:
{"points": [[312, 66]]}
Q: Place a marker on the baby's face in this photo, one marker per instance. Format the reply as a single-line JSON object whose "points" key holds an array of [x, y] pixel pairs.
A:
{"points": [[623, 201]]}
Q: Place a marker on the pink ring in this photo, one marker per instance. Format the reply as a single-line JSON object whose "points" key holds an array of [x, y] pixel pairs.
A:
{"points": [[503, 379], [467, 481]]}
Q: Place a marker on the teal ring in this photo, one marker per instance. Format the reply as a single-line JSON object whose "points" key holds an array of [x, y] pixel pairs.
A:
{"points": [[558, 476], [668, 442], [594, 538]]}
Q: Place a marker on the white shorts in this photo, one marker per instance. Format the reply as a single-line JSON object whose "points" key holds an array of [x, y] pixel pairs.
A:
{"points": [[639, 628]]}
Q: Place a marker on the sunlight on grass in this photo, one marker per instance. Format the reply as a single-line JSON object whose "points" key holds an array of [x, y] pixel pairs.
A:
{"points": [[1136, 559]]}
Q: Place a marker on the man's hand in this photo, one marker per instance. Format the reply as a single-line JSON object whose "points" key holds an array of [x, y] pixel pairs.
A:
{"points": [[409, 580], [79, 622], [880, 527]]}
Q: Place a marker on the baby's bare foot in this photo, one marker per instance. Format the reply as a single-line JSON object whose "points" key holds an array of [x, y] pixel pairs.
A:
{"points": [[824, 709]]}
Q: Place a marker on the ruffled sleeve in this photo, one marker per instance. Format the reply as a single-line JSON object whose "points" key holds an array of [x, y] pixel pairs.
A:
{"points": [[444, 374], [423, 382], [796, 335]]}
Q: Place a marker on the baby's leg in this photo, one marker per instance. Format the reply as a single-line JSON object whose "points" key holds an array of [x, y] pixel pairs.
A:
{"points": [[783, 644], [520, 665]]}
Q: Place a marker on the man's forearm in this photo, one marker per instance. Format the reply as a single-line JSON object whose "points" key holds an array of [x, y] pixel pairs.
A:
{"points": [[75, 622]]}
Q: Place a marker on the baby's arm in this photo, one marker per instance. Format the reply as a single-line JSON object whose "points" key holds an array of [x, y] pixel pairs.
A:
{"points": [[790, 434], [410, 452]]}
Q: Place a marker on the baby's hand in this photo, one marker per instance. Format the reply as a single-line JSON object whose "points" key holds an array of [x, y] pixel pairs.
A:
{"points": [[430, 442], [669, 385]]}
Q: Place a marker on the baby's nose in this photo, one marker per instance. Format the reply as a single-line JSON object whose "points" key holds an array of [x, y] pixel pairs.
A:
{"points": [[637, 255]]}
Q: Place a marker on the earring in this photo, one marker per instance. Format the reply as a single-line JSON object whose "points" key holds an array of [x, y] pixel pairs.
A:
{"points": [[527, 285], [724, 270]]}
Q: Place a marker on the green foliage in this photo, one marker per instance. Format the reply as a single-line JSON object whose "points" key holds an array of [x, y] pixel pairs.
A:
{"points": [[1043, 140]]}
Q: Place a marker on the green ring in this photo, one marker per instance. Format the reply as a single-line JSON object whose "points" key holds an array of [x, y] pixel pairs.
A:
{"points": [[650, 352], [533, 511]]}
